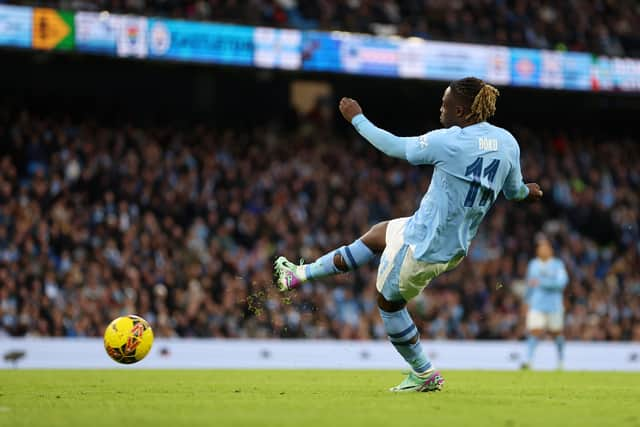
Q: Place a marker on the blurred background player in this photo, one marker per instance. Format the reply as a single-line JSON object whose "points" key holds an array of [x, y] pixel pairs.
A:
{"points": [[546, 280], [473, 161]]}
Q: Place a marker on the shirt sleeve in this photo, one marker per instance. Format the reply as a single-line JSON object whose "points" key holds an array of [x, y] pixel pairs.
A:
{"points": [[529, 276], [388, 143], [530, 272], [514, 187], [563, 276], [431, 148]]}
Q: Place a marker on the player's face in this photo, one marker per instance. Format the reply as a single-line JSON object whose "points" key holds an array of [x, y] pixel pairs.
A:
{"points": [[544, 250], [448, 109]]}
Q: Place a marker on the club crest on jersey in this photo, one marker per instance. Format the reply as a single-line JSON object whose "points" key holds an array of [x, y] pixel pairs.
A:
{"points": [[487, 144]]}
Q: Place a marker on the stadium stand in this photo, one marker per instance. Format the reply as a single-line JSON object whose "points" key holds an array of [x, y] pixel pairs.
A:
{"points": [[181, 226]]}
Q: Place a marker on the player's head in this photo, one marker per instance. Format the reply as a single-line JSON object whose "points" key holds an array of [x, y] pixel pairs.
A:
{"points": [[468, 101], [544, 250]]}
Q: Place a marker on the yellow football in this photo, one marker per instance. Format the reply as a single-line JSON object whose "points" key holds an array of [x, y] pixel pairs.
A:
{"points": [[128, 339]]}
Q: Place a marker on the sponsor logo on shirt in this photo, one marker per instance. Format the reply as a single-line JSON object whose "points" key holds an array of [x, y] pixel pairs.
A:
{"points": [[422, 141]]}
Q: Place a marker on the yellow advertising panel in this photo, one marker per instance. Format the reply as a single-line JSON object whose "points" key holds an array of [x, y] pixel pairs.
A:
{"points": [[52, 29]]}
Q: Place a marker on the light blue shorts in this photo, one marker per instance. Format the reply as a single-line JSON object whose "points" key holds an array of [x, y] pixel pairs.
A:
{"points": [[400, 275]]}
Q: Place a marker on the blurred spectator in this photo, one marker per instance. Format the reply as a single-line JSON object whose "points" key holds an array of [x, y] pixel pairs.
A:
{"points": [[605, 27], [181, 227]]}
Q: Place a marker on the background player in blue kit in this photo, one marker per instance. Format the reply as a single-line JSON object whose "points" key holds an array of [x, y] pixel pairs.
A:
{"points": [[546, 280], [473, 161]]}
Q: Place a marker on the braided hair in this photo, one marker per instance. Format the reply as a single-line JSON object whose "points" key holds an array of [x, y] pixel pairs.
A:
{"points": [[478, 96]]}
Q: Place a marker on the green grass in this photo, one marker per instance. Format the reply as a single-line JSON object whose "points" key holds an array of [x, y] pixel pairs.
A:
{"points": [[314, 398]]}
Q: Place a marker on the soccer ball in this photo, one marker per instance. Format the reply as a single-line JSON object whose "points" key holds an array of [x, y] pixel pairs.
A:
{"points": [[128, 339]]}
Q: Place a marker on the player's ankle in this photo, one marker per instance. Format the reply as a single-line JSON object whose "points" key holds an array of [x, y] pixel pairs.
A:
{"points": [[425, 374], [301, 273]]}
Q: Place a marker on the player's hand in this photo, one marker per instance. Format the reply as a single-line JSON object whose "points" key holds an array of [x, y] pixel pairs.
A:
{"points": [[535, 193], [534, 282], [349, 108]]}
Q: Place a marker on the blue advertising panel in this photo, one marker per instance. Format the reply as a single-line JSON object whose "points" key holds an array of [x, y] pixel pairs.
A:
{"points": [[15, 26], [413, 58], [525, 67], [626, 74], [274, 48], [320, 52], [376, 56], [339, 52], [551, 69], [450, 61], [576, 70], [199, 42], [447, 61], [97, 32], [350, 53]]}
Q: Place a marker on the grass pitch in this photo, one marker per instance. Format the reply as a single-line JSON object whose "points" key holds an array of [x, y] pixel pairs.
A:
{"points": [[314, 398]]}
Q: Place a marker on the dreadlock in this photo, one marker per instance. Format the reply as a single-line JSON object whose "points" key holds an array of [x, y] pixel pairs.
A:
{"points": [[478, 96]]}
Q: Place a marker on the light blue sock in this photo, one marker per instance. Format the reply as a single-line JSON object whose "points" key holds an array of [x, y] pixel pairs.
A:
{"points": [[354, 255], [532, 342], [560, 347], [401, 331]]}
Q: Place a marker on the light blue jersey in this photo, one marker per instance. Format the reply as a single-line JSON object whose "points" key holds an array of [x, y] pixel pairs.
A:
{"points": [[546, 280], [472, 165]]}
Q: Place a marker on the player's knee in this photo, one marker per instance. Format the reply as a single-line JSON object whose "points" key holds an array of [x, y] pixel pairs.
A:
{"points": [[536, 332], [380, 229], [390, 306], [376, 237]]}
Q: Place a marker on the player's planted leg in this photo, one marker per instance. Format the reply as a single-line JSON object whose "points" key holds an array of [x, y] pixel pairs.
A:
{"points": [[404, 336], [532, 343], [346, 258]]}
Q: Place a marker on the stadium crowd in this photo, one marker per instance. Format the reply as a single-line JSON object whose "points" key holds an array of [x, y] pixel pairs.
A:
{"points": [[181, 226], [602, 26]]}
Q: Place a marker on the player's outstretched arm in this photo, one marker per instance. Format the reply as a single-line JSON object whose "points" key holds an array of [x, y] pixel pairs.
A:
{"points": [[384, 141], [514, 187]]}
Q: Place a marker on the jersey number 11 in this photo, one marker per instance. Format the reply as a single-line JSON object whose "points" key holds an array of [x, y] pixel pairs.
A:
{"points": [[475, 171]]}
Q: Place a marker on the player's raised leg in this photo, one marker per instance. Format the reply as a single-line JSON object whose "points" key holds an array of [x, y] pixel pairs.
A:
{"points": [[289, 276]]}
